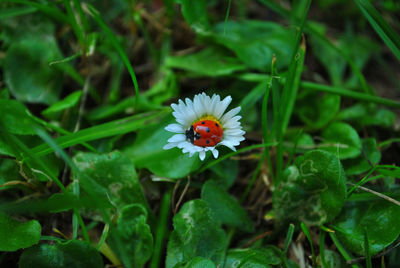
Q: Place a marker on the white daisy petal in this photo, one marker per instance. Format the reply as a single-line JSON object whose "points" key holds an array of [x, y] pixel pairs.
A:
{"points": [[234, 131], [221, 107], [230, 114], [202, 155], [177, 138], [215, 153], [170, 146], [175, 128]]}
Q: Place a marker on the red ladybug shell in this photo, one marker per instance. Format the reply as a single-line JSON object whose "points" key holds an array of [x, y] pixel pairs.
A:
{"points": [[207, 133]]}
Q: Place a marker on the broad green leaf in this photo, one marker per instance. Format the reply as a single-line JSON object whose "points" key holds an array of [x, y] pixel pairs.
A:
{"points": [[27, 72], [68, 102], [4, 94], [360, 164], [368, 114], [9, 170], [147, 152], [198, 262], [225, 173], [15, 117], [226, 209], [249, 258], [208, 62], [115, 173], [15, 235], [255, 42], [5, 148], [316, 110], [131, 238], [196, 234], [342, 140], [380, 219], [359, 49], [313, 191], [73, 254], [195, 14]]}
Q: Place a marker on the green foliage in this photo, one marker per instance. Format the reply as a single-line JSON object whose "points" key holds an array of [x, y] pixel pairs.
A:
{"points": [[68, 102], [131, 238], [115, 174], [84, 178], [255, 42], [342, 140], [317, 111], [258, 258], [73, 253], [313, 191], [226, 209], [371, 217], [27, 71], [15, 235], [196, 234]]}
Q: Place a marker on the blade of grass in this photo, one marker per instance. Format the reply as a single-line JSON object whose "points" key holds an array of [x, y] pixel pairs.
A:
{"points": [[245, 149], [341, 249], [367, 252], [162, 230], [381, 27], [80, 35], [6, 13], [349, 93], [310, 30], [113, 39], [322, 235], [48, 10], [288, 240], [290, 89], [307, 234], [117, 127]]}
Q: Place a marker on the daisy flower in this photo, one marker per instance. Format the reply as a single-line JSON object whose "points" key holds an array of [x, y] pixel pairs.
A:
{"points": [[202, 125]]}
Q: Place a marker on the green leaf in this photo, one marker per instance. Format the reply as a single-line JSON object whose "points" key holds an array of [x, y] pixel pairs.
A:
{"points": [[360, 164], [27, 72], [73, 254], [316, 110], [147, 152], [313, 191], [9, 170], [15, 235], [196, 234], [115, 173], [131, 238], [225, 173], [380, 219], [15, 117], [368, 114], [226, 209], [255, 42], [208, 62], [68, 102], [195, 14], [249, 258], [342, 140], [198, 262]]}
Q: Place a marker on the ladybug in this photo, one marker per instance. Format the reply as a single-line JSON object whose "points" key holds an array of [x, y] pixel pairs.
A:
{"points": [[205, 133]]}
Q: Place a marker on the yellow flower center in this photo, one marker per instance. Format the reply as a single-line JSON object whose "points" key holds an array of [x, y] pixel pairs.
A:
{"points": [[208, 117]]}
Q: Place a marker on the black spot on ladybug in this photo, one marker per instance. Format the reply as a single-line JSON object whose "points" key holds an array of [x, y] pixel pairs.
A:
{"points": [[207, 141], [190, 134], [207, 129], [197, 136], [216, 124], [202, 122]]}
